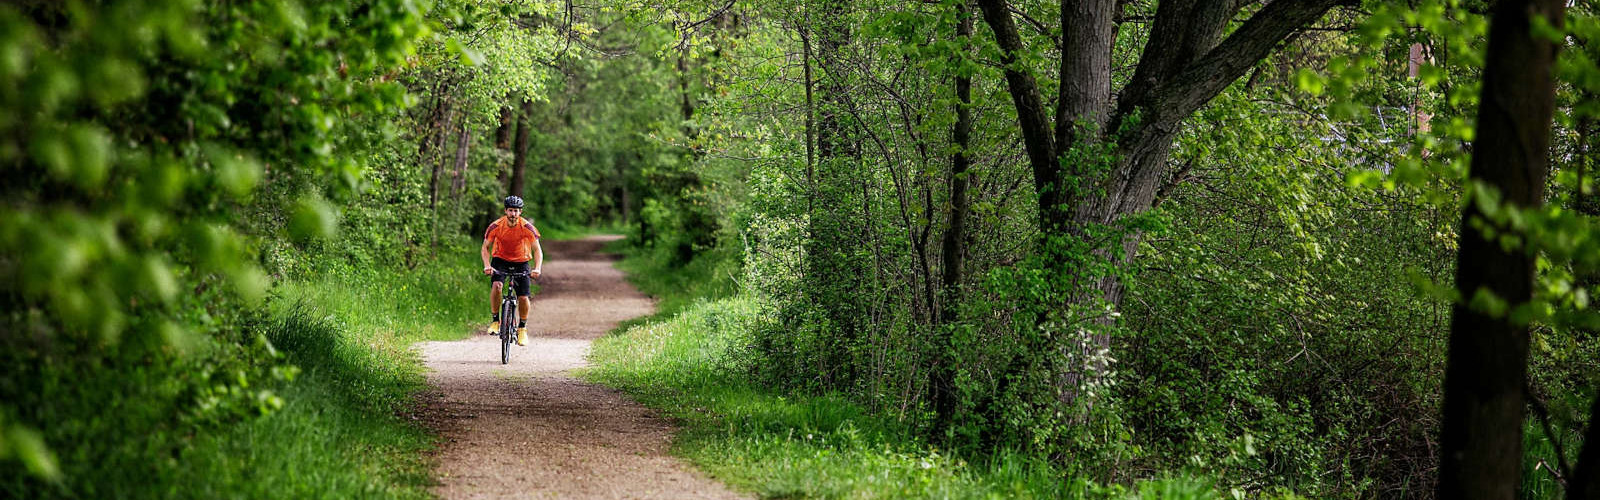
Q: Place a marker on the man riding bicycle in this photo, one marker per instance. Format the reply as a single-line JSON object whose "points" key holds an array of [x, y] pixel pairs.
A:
{"points": [[507, 246]]}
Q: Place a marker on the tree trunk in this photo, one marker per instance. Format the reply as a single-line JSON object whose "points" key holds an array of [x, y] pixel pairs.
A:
{"points": [[458, 177], [502, 133], [627, 195], [519, 150], [1486, 371], [1586, 474], [1037, 137], [440, 134], [836, 272], [943, 386], [811, 113], [1186, 63], [686, 100]]}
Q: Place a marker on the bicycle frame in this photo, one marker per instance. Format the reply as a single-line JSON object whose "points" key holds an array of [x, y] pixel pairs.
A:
{"points": [[508, 313]]}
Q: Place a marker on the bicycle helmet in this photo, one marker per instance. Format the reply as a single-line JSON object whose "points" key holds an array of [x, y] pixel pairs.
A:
{"points": [[513, 202]]}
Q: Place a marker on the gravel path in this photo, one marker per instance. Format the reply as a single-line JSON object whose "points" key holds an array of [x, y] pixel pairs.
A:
{"points": [[529, 429]]}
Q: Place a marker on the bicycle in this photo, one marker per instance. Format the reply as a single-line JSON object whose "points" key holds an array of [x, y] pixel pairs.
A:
{"points": [[508, 314]]}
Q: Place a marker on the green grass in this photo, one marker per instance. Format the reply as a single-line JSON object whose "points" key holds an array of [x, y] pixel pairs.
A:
{"points": [[797, 446], [344, 431], [685, 362], [307, 397], [436, 301], [339, 435], [709, 276]]}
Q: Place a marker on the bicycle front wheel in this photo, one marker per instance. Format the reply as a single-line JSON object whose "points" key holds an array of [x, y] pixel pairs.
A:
{"points": [[507, 313], [505, 349]]}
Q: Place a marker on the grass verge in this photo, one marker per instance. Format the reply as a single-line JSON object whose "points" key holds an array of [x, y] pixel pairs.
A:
{"points": [[343, 431], [685, 362], [783, 446]]}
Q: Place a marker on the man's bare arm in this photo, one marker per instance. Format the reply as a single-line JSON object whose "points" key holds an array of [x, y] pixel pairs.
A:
{"points": [[538, 258], [487, 246]]}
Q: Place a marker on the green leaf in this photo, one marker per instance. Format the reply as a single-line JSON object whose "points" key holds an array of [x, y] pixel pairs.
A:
{"points": [[92, 150], [313, 219], [157, 278], [1309, 81], [1488, 303], [469, 56], [236, 173], [26, 445]]}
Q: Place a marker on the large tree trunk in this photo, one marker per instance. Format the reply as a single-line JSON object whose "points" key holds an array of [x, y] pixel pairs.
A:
{"points": [[519, 150], [1486, 372], [1186, 63]]}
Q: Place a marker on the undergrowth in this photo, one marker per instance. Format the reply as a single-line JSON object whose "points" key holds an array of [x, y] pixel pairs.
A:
{"points": [[685, 361], [345, 430], [309, 399]]}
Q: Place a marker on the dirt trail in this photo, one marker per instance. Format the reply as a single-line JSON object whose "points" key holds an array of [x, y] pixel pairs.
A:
{"points": [[529, 429]]}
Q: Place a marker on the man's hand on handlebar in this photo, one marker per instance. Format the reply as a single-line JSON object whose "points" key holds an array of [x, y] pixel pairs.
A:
{"points": [[488, 270], [534, 273]]}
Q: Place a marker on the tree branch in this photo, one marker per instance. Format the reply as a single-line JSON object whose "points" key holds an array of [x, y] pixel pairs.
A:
{"points": [[1035, 124], [1220, 66]]}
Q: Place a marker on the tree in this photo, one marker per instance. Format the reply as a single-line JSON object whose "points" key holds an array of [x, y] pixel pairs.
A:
{"points": [[943, 385], [519, 165], [1481, 452], [1099, 160]]}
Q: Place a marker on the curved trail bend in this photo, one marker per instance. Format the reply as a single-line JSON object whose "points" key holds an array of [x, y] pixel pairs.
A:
{"points": [[529, 429]]}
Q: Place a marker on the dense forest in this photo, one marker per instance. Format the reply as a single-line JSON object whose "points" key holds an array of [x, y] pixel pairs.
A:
{"points": [[1313, 248]]}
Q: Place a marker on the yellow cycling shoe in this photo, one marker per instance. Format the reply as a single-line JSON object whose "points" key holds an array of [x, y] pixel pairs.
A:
{"points": [[493, 328], [522, 336]]}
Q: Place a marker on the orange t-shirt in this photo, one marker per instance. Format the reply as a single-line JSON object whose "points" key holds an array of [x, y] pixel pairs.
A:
{"points": [[512, 242]]}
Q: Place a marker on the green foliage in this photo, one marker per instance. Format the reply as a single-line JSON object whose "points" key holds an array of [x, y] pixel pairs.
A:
{"points": [[785, 445], [657, 273], [339, 434], [1275, 288], [96, 400], [690, 364], [140, 138], [314, 407], [1284, 320], [1281, 329]]}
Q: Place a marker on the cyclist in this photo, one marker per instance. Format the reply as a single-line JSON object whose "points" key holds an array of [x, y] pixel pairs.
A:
{"points": [[508, 245]]}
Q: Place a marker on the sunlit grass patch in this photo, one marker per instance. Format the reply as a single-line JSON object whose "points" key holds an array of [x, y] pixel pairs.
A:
{"points": [[390, 309]]}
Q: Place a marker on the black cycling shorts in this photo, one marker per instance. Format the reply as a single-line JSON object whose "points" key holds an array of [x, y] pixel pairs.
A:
{"points": [[521, 283]]}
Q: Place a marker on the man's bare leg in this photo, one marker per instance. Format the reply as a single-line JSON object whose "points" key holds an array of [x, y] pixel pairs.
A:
{"points": [[494, 302]]}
